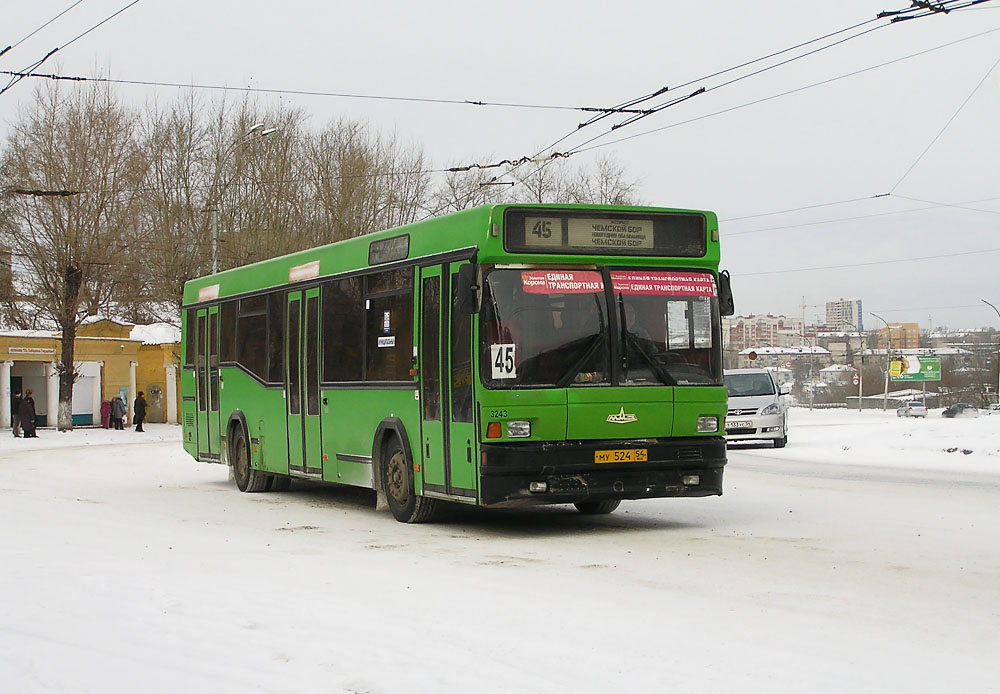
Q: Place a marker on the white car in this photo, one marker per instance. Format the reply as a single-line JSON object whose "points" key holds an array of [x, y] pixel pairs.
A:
{"points": [[914, 408], [756, 410]]}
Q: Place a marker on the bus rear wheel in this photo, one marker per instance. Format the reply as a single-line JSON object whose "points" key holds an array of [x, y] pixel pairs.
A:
{"points": [[247, 479], [593, 508], [397, 483]]}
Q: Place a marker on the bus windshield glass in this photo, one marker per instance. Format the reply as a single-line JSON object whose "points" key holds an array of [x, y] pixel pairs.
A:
{"points": [[555, 328]]}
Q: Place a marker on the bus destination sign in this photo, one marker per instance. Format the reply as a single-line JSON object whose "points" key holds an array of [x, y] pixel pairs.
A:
{"points": [[594, 232], [546, 232]]}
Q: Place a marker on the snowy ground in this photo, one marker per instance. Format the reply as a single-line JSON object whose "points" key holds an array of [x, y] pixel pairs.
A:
{"points": [[862, 557]]}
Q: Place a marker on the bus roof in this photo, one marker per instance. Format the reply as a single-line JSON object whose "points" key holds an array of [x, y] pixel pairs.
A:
{"points": [[470, 229]]}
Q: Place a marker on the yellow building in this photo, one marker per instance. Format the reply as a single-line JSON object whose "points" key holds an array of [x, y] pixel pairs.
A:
{"points": [[110, 358], [899, 336]]}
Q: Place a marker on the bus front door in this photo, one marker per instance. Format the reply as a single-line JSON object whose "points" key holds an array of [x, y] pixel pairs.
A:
{"points": [[207, 365], [445, 351], [302, 382]]}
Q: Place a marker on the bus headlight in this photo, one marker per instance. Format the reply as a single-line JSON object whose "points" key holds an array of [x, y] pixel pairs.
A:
{"points": [[708, 424], [518, 430]]}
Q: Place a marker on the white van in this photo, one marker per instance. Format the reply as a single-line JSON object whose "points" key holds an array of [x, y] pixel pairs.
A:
{"points": [[757, 411]]}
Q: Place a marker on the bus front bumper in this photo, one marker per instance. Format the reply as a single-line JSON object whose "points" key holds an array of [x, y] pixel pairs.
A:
{"points": [[567, 472]]}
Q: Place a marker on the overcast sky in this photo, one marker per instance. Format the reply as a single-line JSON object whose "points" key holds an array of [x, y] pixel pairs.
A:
{"points": [[847, 140]]}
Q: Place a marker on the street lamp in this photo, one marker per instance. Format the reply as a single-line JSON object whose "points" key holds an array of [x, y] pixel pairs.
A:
{"points": [[998, 348], [256, 131], [888, 359]]}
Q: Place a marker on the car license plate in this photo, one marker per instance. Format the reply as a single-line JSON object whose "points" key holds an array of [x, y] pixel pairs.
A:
{"points": [[739, 424], [622, 455]]}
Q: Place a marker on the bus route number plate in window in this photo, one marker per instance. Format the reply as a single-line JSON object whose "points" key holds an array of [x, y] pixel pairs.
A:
{"points": [[502, 360], [622, 455]]}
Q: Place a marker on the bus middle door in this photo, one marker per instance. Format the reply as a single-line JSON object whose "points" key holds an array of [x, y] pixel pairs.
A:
{"points": [[432, 448], [302, 382], [207, 365]]}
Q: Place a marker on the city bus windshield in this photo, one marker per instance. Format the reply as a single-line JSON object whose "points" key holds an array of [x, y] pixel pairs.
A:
{"points": [[555, 328]]}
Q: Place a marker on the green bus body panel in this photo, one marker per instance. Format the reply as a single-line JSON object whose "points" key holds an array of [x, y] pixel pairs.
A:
{"points": [[698, 401], [545, 409], [350, 419], [589, 409], [264, 411]]}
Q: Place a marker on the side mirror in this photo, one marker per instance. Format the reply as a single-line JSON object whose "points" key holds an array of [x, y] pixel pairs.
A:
{"points": [[784, 390], [726, 305], [466, 291]]}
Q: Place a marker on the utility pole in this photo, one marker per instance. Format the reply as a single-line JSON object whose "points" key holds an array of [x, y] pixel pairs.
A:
{"points": [[998, 348], [888, 360]]}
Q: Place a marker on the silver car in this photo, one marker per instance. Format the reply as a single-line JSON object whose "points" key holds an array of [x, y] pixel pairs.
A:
{"points": [[914, 408], [756, 409]]}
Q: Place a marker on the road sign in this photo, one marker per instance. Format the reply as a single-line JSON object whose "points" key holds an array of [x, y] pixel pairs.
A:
{"points": [[856, 380]]}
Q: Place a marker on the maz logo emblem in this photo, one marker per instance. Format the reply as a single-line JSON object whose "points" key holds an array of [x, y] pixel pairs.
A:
{"points": [[621, 417]]}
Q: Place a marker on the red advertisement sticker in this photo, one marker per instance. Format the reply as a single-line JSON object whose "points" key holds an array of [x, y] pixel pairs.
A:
{"points": [[562, 282], [664, 283]]}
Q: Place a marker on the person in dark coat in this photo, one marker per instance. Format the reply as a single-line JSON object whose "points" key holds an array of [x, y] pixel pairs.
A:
{"points": [[117, 411], [139, 407], [16, 415], [27, 412]]}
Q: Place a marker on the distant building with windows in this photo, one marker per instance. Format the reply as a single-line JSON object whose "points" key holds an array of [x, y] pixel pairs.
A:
{"points": [[844, 314], [742, 332], [899, 336]]}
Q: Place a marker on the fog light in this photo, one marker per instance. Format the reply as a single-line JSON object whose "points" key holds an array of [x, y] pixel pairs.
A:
{"points": [[691, 480], [518, 430], [538, 487], [708, 424]]}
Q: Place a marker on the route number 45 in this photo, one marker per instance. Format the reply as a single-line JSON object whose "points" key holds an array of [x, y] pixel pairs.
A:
{"points": [[502, 358], [542, 229]]}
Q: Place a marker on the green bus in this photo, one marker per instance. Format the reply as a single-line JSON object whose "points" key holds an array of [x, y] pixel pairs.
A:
{"points": [[501, 355]]}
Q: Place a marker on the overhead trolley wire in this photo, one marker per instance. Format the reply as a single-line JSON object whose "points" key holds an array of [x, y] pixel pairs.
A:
{"points": [[941, 132], [720, 112], [306, 92], [17, 77], [873, 262], [897, 14], [18, 43]]}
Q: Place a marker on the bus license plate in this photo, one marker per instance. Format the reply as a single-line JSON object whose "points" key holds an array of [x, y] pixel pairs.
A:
{"points": [[622, 455]]}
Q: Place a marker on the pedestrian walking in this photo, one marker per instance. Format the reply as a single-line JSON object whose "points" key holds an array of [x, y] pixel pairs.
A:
{"points": [[139, 408], [27, 411], [118, 411], [16, 415]]}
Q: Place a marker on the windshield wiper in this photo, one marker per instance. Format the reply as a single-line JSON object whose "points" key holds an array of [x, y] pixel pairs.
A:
{"points": [[627, 339], [665, 378], [596, 341]]}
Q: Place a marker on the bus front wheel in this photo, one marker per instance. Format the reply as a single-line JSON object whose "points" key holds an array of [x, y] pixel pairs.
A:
{"points": [[397, 482], [247, 479], [592, 508]]}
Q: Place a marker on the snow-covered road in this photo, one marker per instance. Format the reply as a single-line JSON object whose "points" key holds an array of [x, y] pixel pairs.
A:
{"points": [[130, 567]]}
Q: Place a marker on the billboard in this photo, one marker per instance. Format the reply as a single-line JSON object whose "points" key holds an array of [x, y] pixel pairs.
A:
{"points": [[913, 368]]}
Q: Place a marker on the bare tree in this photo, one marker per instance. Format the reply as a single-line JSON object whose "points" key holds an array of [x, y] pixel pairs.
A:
{"points": [[472, 187], [75, 157], [362, 182], [605, 184]]}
